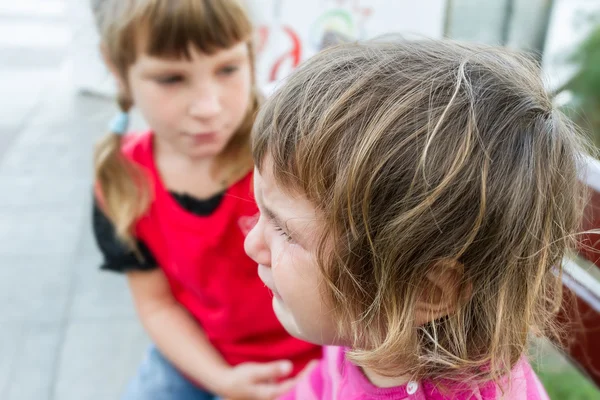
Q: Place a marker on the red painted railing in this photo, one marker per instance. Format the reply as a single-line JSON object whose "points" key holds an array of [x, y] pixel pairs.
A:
{"points": [[582, 311]]}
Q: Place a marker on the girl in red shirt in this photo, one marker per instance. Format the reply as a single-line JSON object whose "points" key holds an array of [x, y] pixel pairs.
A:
{"points": [[173, 205]]}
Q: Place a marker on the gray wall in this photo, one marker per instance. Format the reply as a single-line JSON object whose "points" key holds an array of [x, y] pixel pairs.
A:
{"points": [[516, 23]]}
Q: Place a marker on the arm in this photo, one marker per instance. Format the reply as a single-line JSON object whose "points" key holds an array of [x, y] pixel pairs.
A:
{"points": [[176, 333], [174, 330], [179, 337]]}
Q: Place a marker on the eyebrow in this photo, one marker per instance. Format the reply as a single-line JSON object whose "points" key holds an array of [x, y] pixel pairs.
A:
{"points": [[235, 52], [274, 217], [270, 214], [228, 57]]}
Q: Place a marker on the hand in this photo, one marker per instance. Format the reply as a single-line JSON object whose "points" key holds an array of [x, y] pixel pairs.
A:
{"points": [[257, 381]]}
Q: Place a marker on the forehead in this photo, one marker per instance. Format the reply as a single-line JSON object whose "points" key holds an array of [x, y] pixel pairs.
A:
{"points": [[195, 55], [166, 28], [268, 192], [291, 208]]}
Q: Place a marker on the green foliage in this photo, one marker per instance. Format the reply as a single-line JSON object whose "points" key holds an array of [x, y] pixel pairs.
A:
{"points": [[568, 384], [584, 86]]}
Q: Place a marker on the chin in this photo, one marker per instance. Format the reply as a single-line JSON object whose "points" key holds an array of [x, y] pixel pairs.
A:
{"points": [[286, 319], [294, 331], [291, 326], [204, 152]]}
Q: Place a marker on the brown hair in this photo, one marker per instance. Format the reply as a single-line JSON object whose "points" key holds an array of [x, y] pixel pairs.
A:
{"points": [[168, 27], [415, 152]]}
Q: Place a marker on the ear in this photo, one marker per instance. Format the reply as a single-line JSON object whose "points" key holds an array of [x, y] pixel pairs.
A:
{"points": [[121, 81], [441, 292]]}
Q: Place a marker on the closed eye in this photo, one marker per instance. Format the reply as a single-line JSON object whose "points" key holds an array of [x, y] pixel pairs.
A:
{"points": [[169, 79], [228, 70], [283, 233]]}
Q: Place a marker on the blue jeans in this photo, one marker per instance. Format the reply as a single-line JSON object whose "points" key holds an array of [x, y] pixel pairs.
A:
{"points": [[158, 379]]}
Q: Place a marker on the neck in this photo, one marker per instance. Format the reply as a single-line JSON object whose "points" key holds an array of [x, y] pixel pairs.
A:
{"points": [[183, 174], [165, 153], [384, 381]]}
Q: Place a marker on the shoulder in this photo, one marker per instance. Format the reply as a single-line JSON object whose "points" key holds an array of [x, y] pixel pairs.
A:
{"points": [[521, 384], [137, 145], [244, 186], [137, 148], [317, 383], [116, 255]]}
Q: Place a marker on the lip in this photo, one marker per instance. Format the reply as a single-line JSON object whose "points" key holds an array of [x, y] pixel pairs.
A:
{"points": [[202, 137], [266, 277], [207, 133]]}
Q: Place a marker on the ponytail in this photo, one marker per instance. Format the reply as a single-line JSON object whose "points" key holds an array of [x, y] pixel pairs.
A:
{"points": [[123, 188]]}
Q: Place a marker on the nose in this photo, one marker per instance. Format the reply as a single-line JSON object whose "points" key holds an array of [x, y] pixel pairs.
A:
{"points": [[205, 103], [256, 246]]}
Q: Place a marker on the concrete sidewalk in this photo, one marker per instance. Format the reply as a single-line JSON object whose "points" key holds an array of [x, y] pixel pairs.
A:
{"points": [[67, 331]]}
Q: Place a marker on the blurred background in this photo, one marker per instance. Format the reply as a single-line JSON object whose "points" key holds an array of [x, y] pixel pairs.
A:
{"points": [[68, 331]]}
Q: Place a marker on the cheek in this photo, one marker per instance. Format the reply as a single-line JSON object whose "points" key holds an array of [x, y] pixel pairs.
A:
{"points": [[299, 282], [237, 94], [157, 105], [286, 271]]}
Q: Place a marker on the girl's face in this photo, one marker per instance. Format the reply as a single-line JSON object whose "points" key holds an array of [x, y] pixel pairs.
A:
{"points": [[193, 106], [283, 243]]}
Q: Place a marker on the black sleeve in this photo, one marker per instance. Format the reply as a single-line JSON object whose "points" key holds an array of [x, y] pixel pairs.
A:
{"points": [[116, 255]]}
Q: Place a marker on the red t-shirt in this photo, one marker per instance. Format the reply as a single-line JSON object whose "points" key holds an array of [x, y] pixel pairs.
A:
{"points": [[209, 273]]}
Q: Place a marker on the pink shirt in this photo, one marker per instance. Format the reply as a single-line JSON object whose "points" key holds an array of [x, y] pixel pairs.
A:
{"points": [[336, 378]]}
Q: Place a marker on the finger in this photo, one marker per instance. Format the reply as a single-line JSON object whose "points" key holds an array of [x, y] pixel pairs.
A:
{"points": [[282, 388], [270, 371], [306, 371]]}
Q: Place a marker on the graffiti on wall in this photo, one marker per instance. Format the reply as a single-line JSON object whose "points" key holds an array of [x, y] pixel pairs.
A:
{"points": [[292, 31], [344, 19]]}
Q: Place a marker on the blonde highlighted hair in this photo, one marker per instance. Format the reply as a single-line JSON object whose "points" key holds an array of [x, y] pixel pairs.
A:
{"points": [[167, 28], [415, 152]]}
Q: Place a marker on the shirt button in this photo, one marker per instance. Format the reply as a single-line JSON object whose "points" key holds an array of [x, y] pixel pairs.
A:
{"points": [[411, 387]]}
